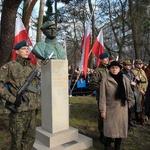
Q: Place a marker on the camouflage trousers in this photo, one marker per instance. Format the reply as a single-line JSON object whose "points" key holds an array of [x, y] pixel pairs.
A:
{"points": [[22, 128]]}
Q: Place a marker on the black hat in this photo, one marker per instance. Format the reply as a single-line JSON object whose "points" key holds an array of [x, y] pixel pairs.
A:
{"points": [[103, 55], [21, 44], [114, 63]]}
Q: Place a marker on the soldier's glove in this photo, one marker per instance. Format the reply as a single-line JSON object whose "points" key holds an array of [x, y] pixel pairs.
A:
{"points": [[18, 101]]}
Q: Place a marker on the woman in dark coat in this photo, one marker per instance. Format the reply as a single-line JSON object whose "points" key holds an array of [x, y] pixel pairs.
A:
{"points": [[116, 96]]}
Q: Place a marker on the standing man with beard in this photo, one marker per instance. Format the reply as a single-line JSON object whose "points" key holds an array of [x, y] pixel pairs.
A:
{"points": [[95, 81], [44, 49]]}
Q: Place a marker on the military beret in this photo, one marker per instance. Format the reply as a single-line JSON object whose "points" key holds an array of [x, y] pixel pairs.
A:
{"points": [[127, 62], [47, 24], [103, 55], [114, 63], [21, 44], [138, 61]]}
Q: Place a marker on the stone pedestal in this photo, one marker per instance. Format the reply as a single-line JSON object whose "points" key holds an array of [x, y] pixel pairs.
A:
{"points": [[55, 133]]}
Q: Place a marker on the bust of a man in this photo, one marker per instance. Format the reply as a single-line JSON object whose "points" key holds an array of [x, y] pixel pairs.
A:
{"points": [[44, 49]]}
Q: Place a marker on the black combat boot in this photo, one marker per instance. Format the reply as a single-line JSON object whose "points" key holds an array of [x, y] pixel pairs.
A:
{"points": [[117, 143], [107, 143]]}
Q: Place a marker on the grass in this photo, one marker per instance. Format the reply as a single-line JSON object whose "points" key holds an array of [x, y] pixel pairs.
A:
{"points": [[83, 116]]}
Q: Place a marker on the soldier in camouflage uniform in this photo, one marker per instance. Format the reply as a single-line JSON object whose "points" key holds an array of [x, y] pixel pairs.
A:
{"points": [[21, 123], [95, 80]]}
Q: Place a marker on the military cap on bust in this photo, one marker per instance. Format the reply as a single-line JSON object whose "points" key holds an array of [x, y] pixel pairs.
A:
{"points": [[127, 62], [21, 44], [47, 24], [103, 55], [138, 61]]}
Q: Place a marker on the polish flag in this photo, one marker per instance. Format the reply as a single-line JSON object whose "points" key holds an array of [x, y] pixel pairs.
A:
{"points": [[98, 47], [21, 34], [86, 48]]}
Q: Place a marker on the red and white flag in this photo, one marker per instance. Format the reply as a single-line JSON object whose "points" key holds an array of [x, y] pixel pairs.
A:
{"points": [[21, 34], [98, 47], [85, 48]]}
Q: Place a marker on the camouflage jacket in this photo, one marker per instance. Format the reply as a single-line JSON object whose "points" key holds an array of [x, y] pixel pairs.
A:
{"points": [[14, 74], [96, 78]]}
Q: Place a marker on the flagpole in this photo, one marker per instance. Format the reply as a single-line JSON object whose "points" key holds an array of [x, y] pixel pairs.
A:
{"points": [[75, 83], [90, 52]]}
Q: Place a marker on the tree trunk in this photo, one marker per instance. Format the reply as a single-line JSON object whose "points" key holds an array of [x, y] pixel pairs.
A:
{"points": [[27, 10], [8, 29], [40, 21], [56, 13]]}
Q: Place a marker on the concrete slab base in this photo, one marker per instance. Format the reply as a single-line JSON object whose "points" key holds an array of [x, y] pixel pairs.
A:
{"points": [[65, 140]]}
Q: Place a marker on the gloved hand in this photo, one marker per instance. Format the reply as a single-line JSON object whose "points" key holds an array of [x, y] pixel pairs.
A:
{"points": [[18, 101]]}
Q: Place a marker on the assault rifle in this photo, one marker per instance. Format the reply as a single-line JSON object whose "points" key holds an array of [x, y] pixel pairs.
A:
{"points": [[20, 94]]}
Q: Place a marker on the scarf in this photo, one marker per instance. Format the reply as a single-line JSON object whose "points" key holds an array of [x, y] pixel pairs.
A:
{"points": [[120, 92]]}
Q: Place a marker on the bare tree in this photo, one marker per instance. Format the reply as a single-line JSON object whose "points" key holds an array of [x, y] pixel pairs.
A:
{"points": [[27, 10], [139, 24]]}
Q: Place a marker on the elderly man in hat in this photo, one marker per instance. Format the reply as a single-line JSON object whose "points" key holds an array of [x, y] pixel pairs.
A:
{"points": [[44, 49], [134, 80], [22, 113], [143, 81], [95, 81]]}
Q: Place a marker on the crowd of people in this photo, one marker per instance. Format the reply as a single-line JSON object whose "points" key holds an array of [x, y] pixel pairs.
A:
{"points": [[123, 96], [122, 92]]}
